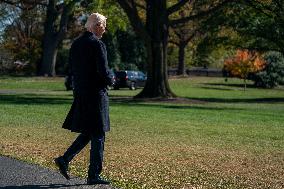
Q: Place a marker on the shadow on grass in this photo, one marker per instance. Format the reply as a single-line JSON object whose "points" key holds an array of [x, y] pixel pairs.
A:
{"points": [[32, 99], [42, 186], [178, 103], [175, 106], [237, 100], [236, 85], [169, 104], [201, 100], [217, 88]]}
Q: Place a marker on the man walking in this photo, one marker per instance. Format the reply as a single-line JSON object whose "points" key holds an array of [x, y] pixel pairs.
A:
{"points": [[89, 113]]}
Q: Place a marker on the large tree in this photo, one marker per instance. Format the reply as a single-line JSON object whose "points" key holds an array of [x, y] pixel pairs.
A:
{"points": [[55, 29], [151, 21], [64, 17], [22, 31], [182, 34], [58, 14]]}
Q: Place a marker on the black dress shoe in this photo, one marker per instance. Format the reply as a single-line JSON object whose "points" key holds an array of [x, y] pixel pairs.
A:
{"points": [[63, 166], [98, 180]]}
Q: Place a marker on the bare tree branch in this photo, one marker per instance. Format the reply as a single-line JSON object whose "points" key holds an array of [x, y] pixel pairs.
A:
{"points": [[173, 42], [177, 33], [140, 5], [177, 6], [189, 38]]}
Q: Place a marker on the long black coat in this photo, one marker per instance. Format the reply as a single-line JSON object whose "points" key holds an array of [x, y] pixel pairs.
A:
{"points": [[89, 112]]}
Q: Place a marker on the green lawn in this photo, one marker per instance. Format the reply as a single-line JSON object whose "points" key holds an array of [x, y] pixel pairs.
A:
{"points": [[216, 136]]}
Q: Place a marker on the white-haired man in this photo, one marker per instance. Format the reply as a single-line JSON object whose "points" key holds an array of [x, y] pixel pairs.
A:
{"points": [[89, 113]]}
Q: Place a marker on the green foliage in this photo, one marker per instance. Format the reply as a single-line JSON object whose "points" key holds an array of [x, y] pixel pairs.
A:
{"points": [[173, 56], [255, 25], [62, 61], [125, 50], [259, 24], [113, 54], [216, 42], [273, 74], [132, 50], [211, 51]]}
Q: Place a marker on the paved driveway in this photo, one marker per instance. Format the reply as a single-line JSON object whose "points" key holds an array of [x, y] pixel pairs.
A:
{"points": [[16, 174]]}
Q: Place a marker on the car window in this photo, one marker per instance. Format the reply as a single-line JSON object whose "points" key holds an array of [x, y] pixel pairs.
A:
{"points": [[141, 75], [131, 74]]}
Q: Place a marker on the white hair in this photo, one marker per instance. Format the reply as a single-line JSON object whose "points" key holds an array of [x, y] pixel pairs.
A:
{"points": [[94, 19]]}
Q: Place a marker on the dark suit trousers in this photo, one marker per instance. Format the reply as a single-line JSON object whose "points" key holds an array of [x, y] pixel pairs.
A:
{"points": [[96, 152]]}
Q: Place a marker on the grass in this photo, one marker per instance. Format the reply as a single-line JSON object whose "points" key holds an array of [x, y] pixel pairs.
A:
{"points": [[219, 136]]}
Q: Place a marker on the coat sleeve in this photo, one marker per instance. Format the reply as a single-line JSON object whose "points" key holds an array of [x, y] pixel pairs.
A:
{"points": [[102, 64]]}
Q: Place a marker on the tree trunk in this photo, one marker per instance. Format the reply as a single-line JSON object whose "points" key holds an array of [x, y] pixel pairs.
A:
{"points": [[48, 58], [49, 41], [181, 55], [157, 77], [54, 33]]}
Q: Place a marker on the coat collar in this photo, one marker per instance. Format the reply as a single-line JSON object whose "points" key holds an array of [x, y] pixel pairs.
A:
{"points": [[89, 34]]}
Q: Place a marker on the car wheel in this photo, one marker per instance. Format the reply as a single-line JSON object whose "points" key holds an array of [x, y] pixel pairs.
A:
{"points": [[132, 86]]}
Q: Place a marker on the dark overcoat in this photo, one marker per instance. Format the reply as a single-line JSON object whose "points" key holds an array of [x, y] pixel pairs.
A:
{"points": [[89, 112]]}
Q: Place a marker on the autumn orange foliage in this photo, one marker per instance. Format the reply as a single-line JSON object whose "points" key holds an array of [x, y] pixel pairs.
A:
{"points": [[244, 63]]}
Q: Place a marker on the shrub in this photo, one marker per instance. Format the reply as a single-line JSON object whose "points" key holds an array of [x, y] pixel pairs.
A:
{"points": [[273, 73]]}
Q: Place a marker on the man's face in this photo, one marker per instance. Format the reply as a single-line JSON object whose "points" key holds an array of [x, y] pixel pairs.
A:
{"points": [[100, 29]]}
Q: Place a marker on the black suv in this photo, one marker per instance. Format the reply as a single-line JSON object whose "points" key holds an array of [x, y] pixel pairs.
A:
{"points": [[129, 79]]}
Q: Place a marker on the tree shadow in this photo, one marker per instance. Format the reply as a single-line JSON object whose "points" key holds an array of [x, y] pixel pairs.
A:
{"points": [[170, 104], [217, 88], [246, 100], [236, 85], [175, 103], [32, 99]]}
